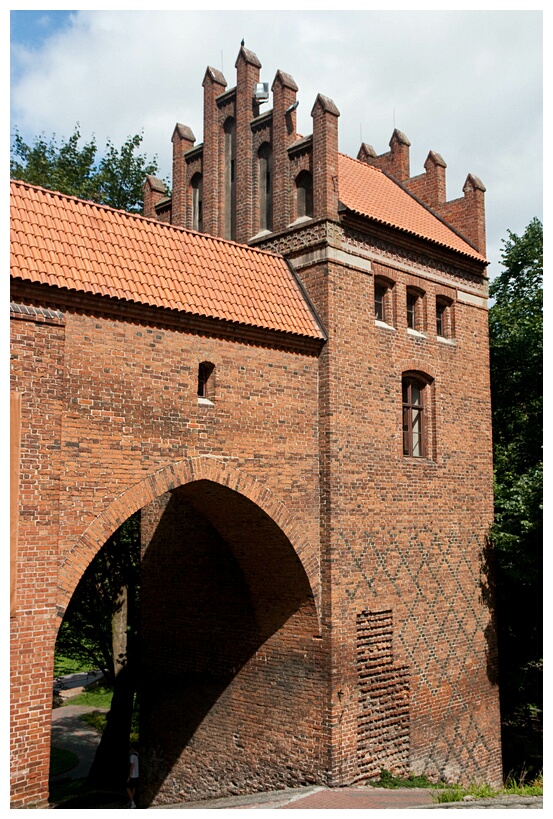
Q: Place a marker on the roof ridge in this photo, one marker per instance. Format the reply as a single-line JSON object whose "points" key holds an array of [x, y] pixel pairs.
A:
{"points": [[150, 220]]}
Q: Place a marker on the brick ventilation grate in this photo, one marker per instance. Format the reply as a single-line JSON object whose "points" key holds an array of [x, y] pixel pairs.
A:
{"points": [[383, 722]]}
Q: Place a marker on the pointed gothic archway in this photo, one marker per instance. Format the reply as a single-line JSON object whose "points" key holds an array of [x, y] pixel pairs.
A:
{"points": [[164, 480], [231, 679]]}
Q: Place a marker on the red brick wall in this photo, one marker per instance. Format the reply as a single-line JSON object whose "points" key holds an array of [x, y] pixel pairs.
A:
{"points": [[183, 140], [110, 410], [38, 338], [430, 186], [247, 74], [406, 535], [352, 531], [214, 84], [467, 214], [111, 421]]}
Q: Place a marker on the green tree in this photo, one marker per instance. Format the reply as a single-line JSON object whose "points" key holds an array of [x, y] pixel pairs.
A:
{"points": [[91, 632], [516, 355], [100, 628], [114, 178]]}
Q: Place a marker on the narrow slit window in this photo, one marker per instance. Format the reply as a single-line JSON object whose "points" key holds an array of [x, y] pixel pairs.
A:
{"points": [[206, 380], [304, 194], [197, 202], [230, 180], [265, 165], [412, 300]]}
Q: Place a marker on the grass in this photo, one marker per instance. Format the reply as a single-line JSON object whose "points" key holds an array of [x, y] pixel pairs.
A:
{"points": [[456, 793], [67, 665], [96, 719], [388, 780], [97, 695], [522, 788]]}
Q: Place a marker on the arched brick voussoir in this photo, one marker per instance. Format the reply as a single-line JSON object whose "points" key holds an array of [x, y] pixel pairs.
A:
{"points": [[164, 480]]}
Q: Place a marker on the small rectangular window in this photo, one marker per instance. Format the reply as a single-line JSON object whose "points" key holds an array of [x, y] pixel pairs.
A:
{"points": [[205, 380], [379, 296], [412, 300], [384, 301], [416, 309], [444, 317], [440, 318]]}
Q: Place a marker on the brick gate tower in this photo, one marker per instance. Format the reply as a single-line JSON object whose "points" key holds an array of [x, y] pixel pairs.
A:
{"points": [[315, 518]]}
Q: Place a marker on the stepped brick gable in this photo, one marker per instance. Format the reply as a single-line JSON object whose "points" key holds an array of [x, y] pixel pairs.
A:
{"points": [[283, 368]]}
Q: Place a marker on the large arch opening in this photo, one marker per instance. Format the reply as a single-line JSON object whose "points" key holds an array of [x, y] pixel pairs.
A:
{"points": [[231, 672]]}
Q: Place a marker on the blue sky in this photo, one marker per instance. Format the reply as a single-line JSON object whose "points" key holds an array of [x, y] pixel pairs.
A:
{"points": [[466, 84], [31, 28]]}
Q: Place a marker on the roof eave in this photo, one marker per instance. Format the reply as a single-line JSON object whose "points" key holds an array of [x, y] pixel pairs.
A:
{"points": [[344, 210]]}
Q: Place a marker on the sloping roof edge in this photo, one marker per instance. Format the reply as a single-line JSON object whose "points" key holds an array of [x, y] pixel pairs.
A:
{"points": [[87, 247], [470, 251]]}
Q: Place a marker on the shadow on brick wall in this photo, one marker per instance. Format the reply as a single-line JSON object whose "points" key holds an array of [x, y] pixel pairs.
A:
{"points": [[231, 670]]}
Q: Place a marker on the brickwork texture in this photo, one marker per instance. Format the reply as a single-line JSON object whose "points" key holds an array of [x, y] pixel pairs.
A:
{"points": [[315, 604]]}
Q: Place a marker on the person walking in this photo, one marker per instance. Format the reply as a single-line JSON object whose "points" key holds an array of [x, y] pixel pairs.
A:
{"points": [[132, 780]]}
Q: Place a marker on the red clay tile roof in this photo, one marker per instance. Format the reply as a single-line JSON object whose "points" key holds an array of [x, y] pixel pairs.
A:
{"points": [[368, 191], [81, 246]]}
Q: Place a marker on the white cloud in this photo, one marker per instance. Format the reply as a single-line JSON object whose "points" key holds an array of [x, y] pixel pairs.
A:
{"points": [[465, 84]]}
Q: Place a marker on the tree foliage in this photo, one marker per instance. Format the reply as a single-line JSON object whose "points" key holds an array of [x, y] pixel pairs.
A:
{"points": [[516, 355], [114, 178], [110, 582], [100, 627]]}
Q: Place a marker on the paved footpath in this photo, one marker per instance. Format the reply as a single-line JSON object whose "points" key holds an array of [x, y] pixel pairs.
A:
{"points": [[72, 734], [68, 731], [358, 798]]}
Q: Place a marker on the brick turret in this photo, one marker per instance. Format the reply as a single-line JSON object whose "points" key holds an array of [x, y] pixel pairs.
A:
{"points": [[153, 191], [467, 214], [243, 181], [430, 186], [183, 139], [395, 162], [366, 153], [284, 133], [247, 75], [325, 158], [214, 84]]}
